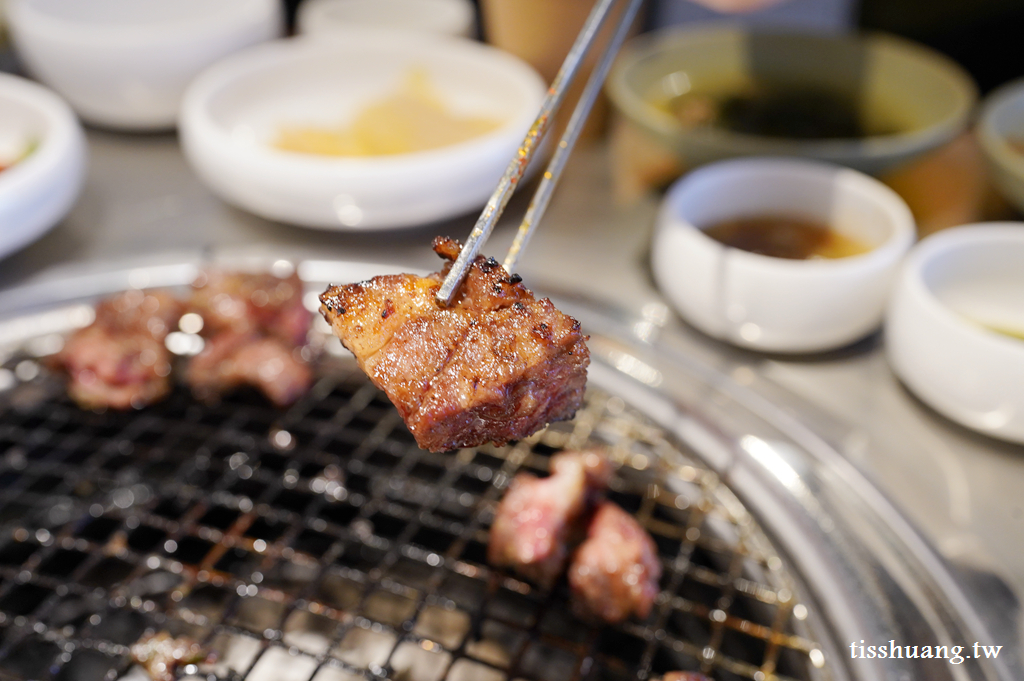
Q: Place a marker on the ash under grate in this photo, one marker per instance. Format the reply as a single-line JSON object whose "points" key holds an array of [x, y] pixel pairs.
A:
{"points": [[321, 543]]}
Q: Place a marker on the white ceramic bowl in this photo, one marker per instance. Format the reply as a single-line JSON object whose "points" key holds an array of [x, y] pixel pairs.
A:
{"points": [[232, 113], [445, 17], [954, 285], [38, 190], [774, 304], [1000, 134], [126, 63]]}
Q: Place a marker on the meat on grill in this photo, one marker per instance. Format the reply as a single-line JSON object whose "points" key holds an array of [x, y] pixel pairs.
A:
{"points": [[119, 361], [614, 573], [251, 303], [537, 518], [496, 365], [231, 359], [253, 324], [684, 676]]}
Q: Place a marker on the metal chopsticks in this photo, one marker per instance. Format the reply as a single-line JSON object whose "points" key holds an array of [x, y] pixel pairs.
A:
{"points": [[514, 172], [539, 202]]}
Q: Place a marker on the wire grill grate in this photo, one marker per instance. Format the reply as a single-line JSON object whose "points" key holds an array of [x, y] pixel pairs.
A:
{"points": [[321, 543]]}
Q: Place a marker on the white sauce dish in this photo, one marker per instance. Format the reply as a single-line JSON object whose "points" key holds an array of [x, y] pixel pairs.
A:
{"points": [[955, 326], [1000, 134], [769, 303]]}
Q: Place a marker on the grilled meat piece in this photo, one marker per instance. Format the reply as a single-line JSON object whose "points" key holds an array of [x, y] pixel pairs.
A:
{"points": [[109, 369], [231, 359], [159, 654], [684, 676], [119, 361], [615, 572], [496, 365], [537, 518], [252, 324], [251, 303]]}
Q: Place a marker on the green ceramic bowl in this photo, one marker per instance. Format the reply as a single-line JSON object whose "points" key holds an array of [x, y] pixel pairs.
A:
{"points": [[1001, 135], [908, 98]]}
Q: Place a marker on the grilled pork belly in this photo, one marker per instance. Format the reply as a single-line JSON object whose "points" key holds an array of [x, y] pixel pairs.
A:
{"points": [[614, 574], [119, 361], [537, 517], [496, 365]]}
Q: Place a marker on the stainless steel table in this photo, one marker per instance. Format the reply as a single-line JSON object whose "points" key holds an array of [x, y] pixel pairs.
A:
{"points": [[141, 201]]}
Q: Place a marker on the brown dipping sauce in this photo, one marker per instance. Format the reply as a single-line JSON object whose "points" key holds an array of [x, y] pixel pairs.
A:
{"points": [[785, 237]]}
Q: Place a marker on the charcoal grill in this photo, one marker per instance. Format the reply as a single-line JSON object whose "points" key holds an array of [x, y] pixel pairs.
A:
{"points": [[320, 543]]}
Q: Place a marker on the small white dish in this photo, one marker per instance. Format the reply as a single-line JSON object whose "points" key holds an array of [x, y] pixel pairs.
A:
{"points": [[234, 111], [953, 290], [774, 304], [38, 190], [1000, 134], [444, 17], [126, 63]]}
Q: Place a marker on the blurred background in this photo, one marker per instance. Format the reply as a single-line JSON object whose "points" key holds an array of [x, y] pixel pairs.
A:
{"points": [[980, 35], [138, 135]]}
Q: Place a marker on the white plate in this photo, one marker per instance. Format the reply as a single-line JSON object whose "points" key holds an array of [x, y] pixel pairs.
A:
{"points": [[954, 285], [234, 110], [37, 191]]}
